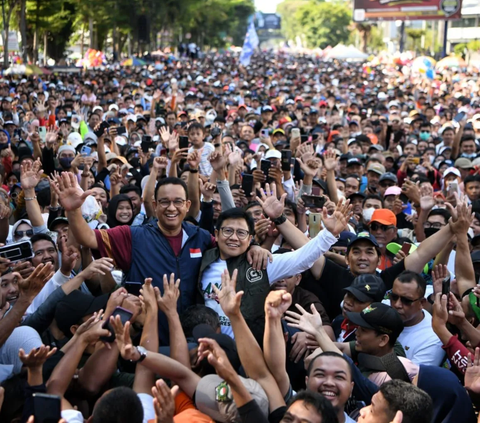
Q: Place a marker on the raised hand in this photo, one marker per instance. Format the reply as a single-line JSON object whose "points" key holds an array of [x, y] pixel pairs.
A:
{"points": [[101, 266], [439, 273], [194, 158], [228, 298], [463, 219], [30, 174], [272, 207], [123, 340], [164, 135], [148, 296], [309, 323], [338, 221], [173, 141], [70, 194], [30, 287], [171, 292], [330, 160], [207, 189], [164, 401], [209, 349], [51, 137], [440, 312], [472, 374], [217, 161], [180, 154], [427, 202], [160, 163], [36, 357], [277, 303], [310, 167], [235, 159], [94, 331]]}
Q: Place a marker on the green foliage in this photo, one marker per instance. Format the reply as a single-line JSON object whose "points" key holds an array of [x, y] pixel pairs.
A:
{"points": [[415, 35], [473, 45], [322, 24], [459, 49]]}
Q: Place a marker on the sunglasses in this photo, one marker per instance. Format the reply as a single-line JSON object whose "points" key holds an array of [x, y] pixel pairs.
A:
{"points": [[376, 226], [405, 301], [21, 234]]}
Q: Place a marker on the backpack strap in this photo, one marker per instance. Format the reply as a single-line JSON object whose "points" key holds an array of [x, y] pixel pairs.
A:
{"points": [[388, 363]]}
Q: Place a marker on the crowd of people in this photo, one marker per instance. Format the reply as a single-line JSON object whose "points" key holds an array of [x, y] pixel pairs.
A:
{"points": [[296, 241]]}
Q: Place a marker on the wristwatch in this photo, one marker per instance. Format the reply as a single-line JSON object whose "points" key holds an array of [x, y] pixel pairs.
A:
{"points": [[279, 220], [143, 354]]}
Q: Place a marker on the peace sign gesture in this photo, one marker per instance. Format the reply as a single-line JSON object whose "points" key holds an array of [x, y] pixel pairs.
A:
{"points": [[228, 298]]}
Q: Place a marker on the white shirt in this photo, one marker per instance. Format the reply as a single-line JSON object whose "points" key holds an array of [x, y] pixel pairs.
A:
{"points": [[282, 266], [421, 344], [205, 168]]}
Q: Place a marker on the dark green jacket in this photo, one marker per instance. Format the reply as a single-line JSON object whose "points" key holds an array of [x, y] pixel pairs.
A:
{"points": [[253, 283]]}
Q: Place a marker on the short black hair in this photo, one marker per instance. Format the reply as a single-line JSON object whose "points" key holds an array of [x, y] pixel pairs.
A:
{"points": [[131, 188], [292, 206], [471, 178], [171, 181], [328, 354], [372, 197], [440, 212], [196, 125], [120, 405], [415, 404], [408, 276], [97, 185], [42, 237], [237, 214], [252, 204], [196, 315], [320, 404]]}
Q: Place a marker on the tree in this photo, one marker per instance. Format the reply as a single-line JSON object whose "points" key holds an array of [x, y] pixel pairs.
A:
{"points": [[324, 24], [415, 35], [290, 25]]}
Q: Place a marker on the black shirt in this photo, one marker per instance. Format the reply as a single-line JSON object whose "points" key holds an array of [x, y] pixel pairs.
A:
{"points": [[334, 278]]}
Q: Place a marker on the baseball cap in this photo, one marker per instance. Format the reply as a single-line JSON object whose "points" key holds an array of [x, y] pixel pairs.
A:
{"points": [[363, 236], [366, 288], [356, 194], [74, 306], [384, 216], [463, 163], [389, 176], [344, 239], [379, 317], [393, 191], [213, 397], [56, 221], [66, 147], [452, 170], [267, 109], [273, 154], [377, 168], [354, 161]]}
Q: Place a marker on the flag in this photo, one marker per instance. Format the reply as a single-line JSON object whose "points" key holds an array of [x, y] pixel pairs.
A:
{"points": [[249, 45]]}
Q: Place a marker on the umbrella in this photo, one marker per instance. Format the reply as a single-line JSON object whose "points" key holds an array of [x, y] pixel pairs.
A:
{"points": [[34, 70], [25, 70], [451, 62], [133, 61], [423, 63]]}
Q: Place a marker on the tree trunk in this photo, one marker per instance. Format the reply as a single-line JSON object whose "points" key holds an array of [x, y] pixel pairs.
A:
{"points": [[90, 31], [23, 29], [45, 49], [82, 40]]}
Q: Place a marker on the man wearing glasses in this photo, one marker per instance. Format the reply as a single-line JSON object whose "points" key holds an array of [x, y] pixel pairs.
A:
{"points": [[383, 226], [421, 344], [234, 233]]}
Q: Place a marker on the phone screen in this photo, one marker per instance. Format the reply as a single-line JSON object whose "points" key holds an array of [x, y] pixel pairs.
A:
{"points": [[247, 184], [133, 287], [47, 408], [125, 316], [183, 142]]}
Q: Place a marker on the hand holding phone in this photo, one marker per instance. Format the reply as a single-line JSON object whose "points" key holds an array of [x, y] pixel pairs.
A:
{"points": [[125, 316]]}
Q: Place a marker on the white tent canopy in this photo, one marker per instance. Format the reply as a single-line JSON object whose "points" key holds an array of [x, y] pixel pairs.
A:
{"points": [[341, 51]]}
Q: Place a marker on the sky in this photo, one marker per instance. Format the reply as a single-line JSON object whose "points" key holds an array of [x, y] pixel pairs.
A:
{"points": [[267, 6]]}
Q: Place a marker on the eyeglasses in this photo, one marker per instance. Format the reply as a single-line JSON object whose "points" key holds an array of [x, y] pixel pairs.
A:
{"points": [[405, 301], [21, 234], [178, 203], [376, 226], [435, 225], [228, 232]]}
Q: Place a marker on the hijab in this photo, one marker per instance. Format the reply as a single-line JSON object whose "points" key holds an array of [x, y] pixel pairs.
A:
{"points": [[112, 210]]}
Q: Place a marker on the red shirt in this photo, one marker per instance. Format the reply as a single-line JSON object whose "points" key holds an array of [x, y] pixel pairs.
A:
{"points": [[175, 242]]}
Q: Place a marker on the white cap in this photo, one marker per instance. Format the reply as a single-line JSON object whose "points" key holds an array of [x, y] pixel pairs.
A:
{"points": [[273, 154], [382, 96], [453, 170], [97, 108], [393, 103], [74, 139], [113, 107], [132, 118], [120, 140], [66, 147]]}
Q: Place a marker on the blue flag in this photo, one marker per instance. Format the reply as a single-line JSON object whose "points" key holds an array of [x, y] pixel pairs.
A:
{"points": [[249, 45]]}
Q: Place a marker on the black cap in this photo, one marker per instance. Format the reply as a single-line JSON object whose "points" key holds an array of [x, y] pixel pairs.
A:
{"points": [[226, 343], [366, 236], [321, 183], [344, 239], [389, 176], [56, 221], [354, 161], [366, 288], [356, 194], [380, 317], [346, 156], [75, 306]]}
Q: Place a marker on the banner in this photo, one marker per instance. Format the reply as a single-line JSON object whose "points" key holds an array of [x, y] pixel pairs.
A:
{"points": [[249, 45], [392, 10]]}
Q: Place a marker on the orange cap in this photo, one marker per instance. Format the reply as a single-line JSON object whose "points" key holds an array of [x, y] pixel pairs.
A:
{"points": [[385, 217], [373, 138]]}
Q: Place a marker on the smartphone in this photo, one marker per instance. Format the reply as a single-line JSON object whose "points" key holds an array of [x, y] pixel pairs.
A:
{"points": [[125, 316], [247, 184], [316, 191], [265, 166], [295, 132], [133, 287], [303, 138], [314, 224], [453, 186], [406, 248], [86, 150], [286, 160], [101, 129], [446, 288], [146, 146], [42, 131], [18, 251], [121, 130], [416, 160], [47, 408], [459, 117], [183, 142], [146, 138], [264, 133], [313, 201]]}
